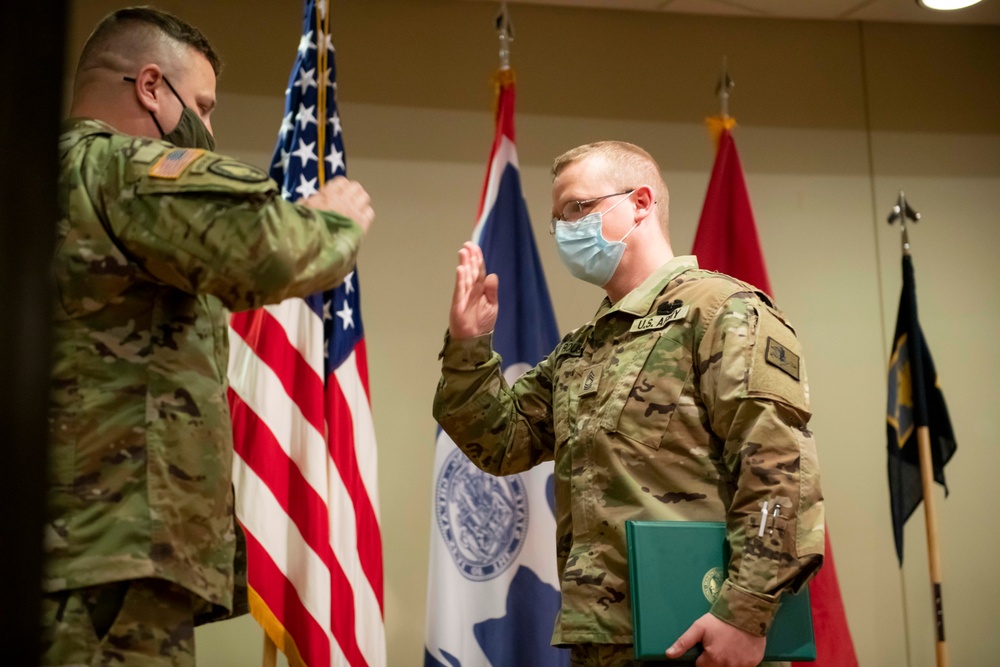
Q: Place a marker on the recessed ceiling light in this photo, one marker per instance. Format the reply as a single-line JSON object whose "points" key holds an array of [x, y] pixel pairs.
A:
{"points": [[945, 5]]}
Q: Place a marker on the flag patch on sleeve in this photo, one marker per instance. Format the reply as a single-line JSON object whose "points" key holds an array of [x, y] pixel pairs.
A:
{"points": [[174, 163]]}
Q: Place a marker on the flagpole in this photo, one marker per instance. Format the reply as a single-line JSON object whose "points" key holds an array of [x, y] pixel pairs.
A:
{"points": [[505, 31], [726, 84], [270, 652], [902, 212], [723, 122]]}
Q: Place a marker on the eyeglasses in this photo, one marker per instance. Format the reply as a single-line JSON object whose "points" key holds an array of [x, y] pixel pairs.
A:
{"points": [[576, 209]]}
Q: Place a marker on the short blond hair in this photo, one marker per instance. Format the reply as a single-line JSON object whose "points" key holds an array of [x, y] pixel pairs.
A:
{"points": [[629, 166]]}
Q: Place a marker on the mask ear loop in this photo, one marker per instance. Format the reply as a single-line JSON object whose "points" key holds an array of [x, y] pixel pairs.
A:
{"points": [[131, 79], [633, 226], [174, 91]]}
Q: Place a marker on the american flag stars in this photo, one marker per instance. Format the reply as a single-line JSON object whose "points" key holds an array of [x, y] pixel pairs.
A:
{"points": [[307, 79], [317, 562], [305, 152], [306, 116]]}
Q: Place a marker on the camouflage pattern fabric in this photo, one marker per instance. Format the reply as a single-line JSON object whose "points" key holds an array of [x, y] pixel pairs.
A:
{"points": [[154, 245], [141, 623], [686, 400], [620, 655], [608, 655]]}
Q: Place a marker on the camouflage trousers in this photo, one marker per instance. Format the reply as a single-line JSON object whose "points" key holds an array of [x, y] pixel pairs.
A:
{"points": [[142, 622], [610, 655], [621, 655]]}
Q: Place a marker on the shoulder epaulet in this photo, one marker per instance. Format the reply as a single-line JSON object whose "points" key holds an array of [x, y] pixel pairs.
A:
{"points": [[742, 286]]}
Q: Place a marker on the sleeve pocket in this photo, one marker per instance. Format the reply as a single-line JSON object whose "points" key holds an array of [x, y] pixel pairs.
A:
{"points": [[762, 552]]}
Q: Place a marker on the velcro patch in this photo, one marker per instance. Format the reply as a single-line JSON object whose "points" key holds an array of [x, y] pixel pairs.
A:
{"points": [[591, 380], [238, 171], [658, 321], [777, 371], [174, 163], [145, 151], [781, 357]]}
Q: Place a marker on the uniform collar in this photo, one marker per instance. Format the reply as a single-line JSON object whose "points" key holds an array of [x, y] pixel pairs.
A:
{"points": [[640, 300], [87, 126]]}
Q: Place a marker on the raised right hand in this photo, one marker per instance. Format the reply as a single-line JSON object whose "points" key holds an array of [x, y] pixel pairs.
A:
{"points": [[345, 197], [474, 304]]}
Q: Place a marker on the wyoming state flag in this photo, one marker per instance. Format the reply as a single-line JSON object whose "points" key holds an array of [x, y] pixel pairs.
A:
{"points": [[915, 400], [492, 589]]}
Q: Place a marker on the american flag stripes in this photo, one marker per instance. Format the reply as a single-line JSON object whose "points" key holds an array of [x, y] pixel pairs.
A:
{"points": [[305, 465]]}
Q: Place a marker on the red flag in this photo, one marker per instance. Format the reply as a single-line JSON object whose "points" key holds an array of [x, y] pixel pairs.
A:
{"points": [[727, 241]]}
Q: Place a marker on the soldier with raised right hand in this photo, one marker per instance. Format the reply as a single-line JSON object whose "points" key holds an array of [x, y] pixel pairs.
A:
{"points": [[684, 399]]}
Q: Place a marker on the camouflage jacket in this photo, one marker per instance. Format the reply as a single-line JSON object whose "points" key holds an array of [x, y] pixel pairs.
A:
{"points": [[686, 400], [154, 244]]}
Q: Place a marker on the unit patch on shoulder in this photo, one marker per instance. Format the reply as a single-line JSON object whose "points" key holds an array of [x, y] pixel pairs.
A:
{"points": [[238, 171], [781, 357], [175, 162]]}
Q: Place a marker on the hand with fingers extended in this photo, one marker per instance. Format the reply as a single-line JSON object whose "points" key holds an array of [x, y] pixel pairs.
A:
{"points": [[474, 304], [724, 645], [345, 197]]}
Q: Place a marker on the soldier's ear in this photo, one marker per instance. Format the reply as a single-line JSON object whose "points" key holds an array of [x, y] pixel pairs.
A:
{"points": [[644, 202], [149, 87]]}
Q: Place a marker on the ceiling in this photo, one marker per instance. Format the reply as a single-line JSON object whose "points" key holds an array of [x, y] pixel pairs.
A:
{"points": [[907, 11]]}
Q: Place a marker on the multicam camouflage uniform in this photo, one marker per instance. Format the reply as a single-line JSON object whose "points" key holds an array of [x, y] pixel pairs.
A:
{"points": [[155, 243], [687, 400]]}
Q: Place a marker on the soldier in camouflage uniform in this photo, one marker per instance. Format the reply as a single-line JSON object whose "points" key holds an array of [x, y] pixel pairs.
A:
{"points": [[159, 236], [684, 399]]}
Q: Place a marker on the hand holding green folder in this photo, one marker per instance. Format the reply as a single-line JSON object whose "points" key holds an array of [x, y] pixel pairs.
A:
{"points": [[676, 570]]}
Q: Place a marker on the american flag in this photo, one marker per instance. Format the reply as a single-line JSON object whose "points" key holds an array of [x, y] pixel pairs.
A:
{"points": [[305, 464]]}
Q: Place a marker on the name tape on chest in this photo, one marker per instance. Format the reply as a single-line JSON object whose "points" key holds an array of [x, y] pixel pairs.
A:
{"points": [[781, 357], [654, 322], [174, 163]]}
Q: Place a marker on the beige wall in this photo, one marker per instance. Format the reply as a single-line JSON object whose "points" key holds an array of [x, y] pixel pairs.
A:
{"points": [[416, 110]]}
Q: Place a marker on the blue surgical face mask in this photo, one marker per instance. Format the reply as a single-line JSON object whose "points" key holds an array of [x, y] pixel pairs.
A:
{"points": [[584, 250]]}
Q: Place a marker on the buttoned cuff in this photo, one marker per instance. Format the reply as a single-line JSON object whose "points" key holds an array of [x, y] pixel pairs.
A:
{"points": [[466, 354], [750, 612]]}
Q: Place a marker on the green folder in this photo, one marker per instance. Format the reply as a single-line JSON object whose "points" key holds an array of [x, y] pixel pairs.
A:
{"points": [[675, 568]]}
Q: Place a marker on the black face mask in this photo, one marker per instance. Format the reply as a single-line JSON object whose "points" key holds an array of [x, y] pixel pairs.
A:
{"points": [[190, 131]]}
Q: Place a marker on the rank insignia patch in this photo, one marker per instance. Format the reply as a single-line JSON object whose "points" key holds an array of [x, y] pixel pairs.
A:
{"points": [[174, 163], [781, 357], [591, 380]]}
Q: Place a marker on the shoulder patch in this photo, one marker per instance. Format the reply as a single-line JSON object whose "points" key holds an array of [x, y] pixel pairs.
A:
{"points": [[780, 356], [174, 163], [145, 151], [238, 171], [777, 370]]}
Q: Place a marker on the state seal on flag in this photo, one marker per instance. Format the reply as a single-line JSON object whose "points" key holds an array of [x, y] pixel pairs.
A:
{"points": [[483, 519]]}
